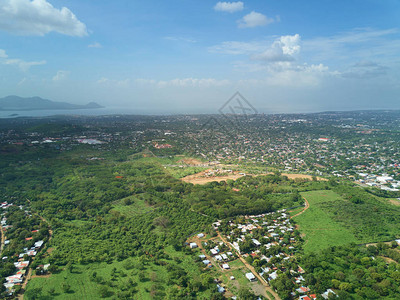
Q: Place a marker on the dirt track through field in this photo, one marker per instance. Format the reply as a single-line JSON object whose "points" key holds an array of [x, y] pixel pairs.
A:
{"points": [[305, 208], [3, 239]]}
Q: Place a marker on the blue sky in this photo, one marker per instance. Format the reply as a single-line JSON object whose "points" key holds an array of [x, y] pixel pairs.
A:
{"points": [[190, 56]]}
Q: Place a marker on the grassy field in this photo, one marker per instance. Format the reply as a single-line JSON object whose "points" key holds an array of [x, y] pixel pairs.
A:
{"points": [[180, 172], [115, 276], [296, 211], [320, 229], [137, 207], [79, 281], [239, 270]]}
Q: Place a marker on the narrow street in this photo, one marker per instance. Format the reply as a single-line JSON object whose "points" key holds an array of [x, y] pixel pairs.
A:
{"points": [[251, 268]]}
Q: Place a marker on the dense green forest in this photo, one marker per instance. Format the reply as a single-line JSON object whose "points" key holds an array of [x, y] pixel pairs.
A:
{"points": [[356, 272]]}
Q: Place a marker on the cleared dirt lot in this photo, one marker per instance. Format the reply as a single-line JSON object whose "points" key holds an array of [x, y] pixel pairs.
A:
{"points": [[201, 178], [191, 162]]}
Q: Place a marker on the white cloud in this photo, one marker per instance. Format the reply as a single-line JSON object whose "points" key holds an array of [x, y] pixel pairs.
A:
{"points": [[356, 44], [254, 19], [286, 74], [230, 7], [38, 17], [283, 49], [3, 54], [61, 75], [95, 45], [23, 65]]}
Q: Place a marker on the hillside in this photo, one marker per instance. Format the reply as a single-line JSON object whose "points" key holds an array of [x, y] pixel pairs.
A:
{"points": [[15, 103]]}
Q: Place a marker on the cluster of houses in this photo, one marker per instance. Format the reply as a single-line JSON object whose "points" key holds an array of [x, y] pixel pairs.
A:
{"points": [[221, 257], [384, 181], [271, 241], [21, 266], [3, 222], [21, 260]]}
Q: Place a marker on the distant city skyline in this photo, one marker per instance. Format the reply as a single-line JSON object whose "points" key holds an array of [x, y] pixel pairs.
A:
{"points": [[192, 56]]}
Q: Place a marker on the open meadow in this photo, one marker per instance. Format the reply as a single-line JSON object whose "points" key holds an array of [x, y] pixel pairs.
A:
{"points": [[318, 226]]}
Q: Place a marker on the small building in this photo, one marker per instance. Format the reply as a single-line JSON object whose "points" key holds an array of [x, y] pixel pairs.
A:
{"points": [[328, 292], [220, 289], [250, 276], [193, 245], [218, 257], [200, 235], [303, 290], [225, 267]]}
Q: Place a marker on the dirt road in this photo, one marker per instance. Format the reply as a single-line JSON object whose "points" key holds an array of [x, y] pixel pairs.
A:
{"points": [[3, 239], [305, 208], [251, 268]]}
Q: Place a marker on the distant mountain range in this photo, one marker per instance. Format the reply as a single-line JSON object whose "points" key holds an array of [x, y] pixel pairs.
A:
{"points": [[15, 103]]}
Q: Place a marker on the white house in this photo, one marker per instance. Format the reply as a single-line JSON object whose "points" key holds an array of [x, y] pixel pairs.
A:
{"points": [[250, 276]]}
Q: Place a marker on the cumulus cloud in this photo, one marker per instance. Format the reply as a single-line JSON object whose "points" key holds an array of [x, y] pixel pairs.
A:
{"points": [[61, 75], [23, 65], [254, 19], [283, 49], [95, 45], [229, 7], [38, 17]]}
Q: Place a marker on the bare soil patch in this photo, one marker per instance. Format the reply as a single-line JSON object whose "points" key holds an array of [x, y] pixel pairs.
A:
{"points": [[302, 176], [395, 202], [201, 178], [191, 161]]}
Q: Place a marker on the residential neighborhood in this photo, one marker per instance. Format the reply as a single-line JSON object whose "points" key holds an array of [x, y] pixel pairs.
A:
{"points": [[264, 245], [18, 253]]}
